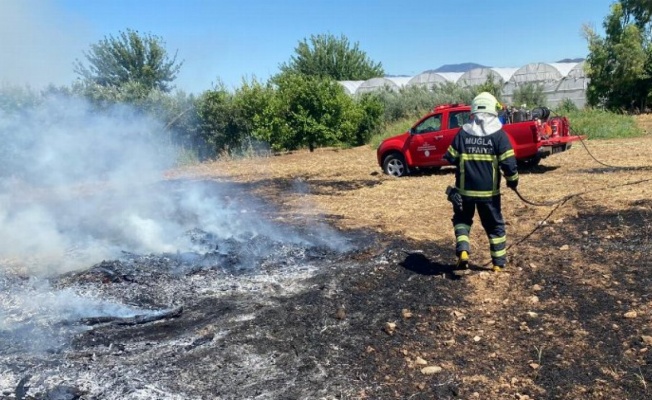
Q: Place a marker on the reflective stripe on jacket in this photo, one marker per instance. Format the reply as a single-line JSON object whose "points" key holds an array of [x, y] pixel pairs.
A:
{"points": [[479, 160]]}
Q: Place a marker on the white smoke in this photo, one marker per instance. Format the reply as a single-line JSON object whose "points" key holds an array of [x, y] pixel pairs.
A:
{"points": [[79, 185], [75, 184]]}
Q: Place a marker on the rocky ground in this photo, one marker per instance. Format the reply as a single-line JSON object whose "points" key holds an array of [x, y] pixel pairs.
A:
{"points": [[381, 315]]}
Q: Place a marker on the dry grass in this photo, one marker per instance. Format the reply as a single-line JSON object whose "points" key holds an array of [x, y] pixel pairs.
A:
{"points": [[348, 189], [645, 122]]}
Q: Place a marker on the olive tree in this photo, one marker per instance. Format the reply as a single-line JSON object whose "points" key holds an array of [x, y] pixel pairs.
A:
{"points": [[492, 85], [129, 57], [531, 94], [330, 56]]}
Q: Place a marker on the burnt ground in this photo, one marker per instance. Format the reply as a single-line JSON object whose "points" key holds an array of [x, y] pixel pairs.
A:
{"points": [[316, 325], [306, 321]]}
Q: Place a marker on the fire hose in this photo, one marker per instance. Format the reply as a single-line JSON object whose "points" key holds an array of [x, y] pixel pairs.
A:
{"points": [[568, 197], [456, 199], [579, 136], [559, 202]]}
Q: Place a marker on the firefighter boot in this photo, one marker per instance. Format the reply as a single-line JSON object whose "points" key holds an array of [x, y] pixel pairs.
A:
{"points": [[463, 260], [498, 268]]}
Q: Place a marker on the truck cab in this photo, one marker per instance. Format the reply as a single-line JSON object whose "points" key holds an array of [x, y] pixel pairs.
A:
{"points": [[430, 137], [425, 143]]}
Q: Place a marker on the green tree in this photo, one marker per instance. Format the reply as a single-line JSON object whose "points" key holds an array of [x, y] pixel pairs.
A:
{"points": [[253, 102], [372, 111], [101, 96], [413, 101], [175, 110], [493, 85], [327, 55], [217, 123], [619, 65], [129, 57], [311, 111], [15, 98], [639, 10], [531, 94]]}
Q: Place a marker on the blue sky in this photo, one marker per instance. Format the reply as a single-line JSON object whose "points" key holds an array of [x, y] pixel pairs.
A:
{"points": [[226, 40]]}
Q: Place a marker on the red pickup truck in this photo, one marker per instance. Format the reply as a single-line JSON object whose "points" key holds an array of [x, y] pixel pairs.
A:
{"points": [[424, 145]]}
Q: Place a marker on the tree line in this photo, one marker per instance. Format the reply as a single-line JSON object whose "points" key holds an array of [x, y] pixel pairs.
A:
{"points": [[303, 106], [619, 65]]}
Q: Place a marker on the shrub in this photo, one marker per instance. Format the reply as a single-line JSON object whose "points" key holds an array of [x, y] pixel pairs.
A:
{"points": [[492, 85], [309, 111], [599, 124], [372, 110], [566, 106], [217, 122], [414, 101], [391, 129]]}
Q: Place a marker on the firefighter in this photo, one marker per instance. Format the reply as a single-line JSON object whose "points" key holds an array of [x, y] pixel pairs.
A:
{"points": [[479, 150]]}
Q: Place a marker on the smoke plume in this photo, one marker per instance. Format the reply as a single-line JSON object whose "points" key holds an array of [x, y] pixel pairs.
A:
{"points": [[79, 185]]}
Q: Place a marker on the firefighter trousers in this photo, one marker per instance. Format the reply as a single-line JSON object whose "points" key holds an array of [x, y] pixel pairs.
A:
{"points": [[492, 221]]}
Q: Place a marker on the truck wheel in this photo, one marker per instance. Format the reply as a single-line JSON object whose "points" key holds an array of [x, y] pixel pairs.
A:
{"points": [[394, 165], [529, 163]]}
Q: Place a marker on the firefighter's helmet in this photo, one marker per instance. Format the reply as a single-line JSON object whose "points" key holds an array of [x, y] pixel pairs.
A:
{"points": [[485, 102]]}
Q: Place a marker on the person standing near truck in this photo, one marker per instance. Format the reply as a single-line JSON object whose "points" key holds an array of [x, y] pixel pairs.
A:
{"points": [[478, 150]]}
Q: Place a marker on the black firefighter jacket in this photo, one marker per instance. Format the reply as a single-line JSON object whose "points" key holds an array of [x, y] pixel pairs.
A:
{"points": [[479, 160]]}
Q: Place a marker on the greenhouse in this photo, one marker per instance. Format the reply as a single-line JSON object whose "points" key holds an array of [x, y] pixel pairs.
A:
{"points": [[572, 86], [351, 86], [560, 81], [551, 76], [430, 78], [540, 72], [389, 83], [478, 76]]}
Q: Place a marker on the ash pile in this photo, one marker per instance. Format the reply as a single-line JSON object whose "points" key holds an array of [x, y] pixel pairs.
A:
{"points": [[182, 325], [118, 284]]}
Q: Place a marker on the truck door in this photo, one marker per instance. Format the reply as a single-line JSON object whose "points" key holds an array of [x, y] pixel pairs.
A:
{"points": [[455, 121], [423, 140]]}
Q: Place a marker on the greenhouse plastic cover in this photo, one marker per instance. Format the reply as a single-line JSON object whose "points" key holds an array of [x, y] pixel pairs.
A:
{"points": [[560, 81], [391, 83], [478, 76], [430, 78], [351, 86]]}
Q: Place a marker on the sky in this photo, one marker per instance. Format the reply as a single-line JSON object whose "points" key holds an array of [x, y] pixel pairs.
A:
{"points": [[226, 41]]}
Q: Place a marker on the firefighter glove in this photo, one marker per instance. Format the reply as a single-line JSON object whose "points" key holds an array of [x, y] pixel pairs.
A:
{"points": [[512, 184], [454, 197]]}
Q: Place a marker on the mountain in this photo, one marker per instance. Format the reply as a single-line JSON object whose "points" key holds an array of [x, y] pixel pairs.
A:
{"points": [[458, 67], [571, 60]]}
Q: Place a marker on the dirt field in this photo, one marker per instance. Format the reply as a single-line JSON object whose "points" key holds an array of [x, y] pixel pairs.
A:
{"points": [[571, 319]]}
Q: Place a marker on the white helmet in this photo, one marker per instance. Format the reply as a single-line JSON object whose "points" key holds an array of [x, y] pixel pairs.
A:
{"points": [[485, 102]]}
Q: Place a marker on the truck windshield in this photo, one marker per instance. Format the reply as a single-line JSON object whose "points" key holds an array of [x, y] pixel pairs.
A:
{"points": [[430, 124]]}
